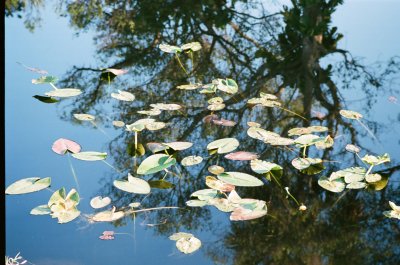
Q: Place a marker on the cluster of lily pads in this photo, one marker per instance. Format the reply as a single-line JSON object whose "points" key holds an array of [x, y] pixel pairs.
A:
{"points": [[221, 192]]}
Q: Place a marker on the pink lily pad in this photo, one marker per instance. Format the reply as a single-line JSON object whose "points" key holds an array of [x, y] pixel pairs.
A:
{"points": [[116, 71], [62, 146], [224, 122], [241, 155]]}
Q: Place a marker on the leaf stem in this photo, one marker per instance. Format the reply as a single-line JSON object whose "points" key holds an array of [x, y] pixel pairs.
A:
{"points": [[181, 65]]}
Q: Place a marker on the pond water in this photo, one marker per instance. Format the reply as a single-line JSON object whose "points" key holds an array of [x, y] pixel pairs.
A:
{"points": [[313, 70]]}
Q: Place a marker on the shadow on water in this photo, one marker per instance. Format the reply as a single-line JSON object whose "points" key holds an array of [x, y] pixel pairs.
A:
{"points": [[276, 53]]}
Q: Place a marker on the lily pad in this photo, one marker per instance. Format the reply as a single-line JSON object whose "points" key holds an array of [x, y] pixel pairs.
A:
{"points": [[133, 185], [160, 184], [349, 114], [188, 245], [62, 146], [90, 156], [28, 185], [139, 125], [155, 163], [179, 235], [189, 86], [179, 146], [191, 161], [205, 194], [123, 95], [46, 99], [215, 169], [155, 126], [193, 46], [164, 106], [118, 123], [356, 185], [64, 93], [108, 216], [224, 145], [99, 202], [219, 185], [196, 203], [240, 179], [353, 148], [336, 185], [241, 155], [44, 80], [41, 210], [376, 160], [84, 117], [268, 168], [169, 48]]}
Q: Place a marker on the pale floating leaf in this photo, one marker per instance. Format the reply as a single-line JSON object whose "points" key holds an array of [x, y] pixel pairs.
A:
{"points": [[222, 204], [179, 235], [308, 139], [394, 206], [99, 202], [152, 112], [215, 100], [224, 145], [353, 148], [326, 143], [299, 131], [188, 245], [41, 210], [227, 85], [336, 185], [194, 46], [196, 203], [219, 185], [64, 93], [123, 96], [164, 106], [155, 163], [268, 168], [139, 125], [116, 72], [279, 141], [371, 178], [253, 124], [349, 114], [268, 96], [303, 163], [134, 204], [156, 147], [169, 48], [242, 156], [215, 169], [356, 185], [216, 106], [28, 185], [84, 117], [191, 161], [224, 122], [240, 179], [90, 156], [118, 123], [133, 185], [108, 216], [179, 146], [242, 214], [373, 160], [155, 126], [189, 86], [205, 194], [62, 146], [261, 134]]}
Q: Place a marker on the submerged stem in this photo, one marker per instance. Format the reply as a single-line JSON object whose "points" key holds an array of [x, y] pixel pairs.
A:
{"points": [[105, 162], [294, 113], [53, 86], [181, 65], [73, 172]]}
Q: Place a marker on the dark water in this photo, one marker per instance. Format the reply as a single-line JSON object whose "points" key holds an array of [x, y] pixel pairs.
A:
{"points": [[285, 58]]}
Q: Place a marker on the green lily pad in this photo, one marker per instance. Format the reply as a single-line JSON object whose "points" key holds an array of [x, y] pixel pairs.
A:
{"points": [[133, 185], [160, 184], [224, 145], [90, 156], [240, 179], [28, 185], [267, 168], [336, 185], [46, 99], [155, 163]]}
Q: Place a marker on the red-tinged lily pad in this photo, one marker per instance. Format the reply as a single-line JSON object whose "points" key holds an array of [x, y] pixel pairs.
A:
{"points": [[62, 146], [224, 122], [241, 155], [243, 214]]}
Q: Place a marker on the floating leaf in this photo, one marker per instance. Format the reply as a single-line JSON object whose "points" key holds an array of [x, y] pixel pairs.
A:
{"points": [[308, 139], [84, 117], [336, 185], [123, 95], [205, 194], [155, 126], [64, 93], [224, 122], [216, 106], [194, 46], [191, 161], [108, 216], [222, 204], [179, 146], [353, 148], [224, 145], [219, 185], [152, 112], [356, 185], [139, 125], [349, 114], [226, 85], [243, 213], [116, 72], [371, 178], [373, 160], [134, 204], [215, 169], [28, 185], [210, 118], [188, 245], [261, 134], [189, 86], [41, 210], [240, 179], [268, 168], [309, 166], [196, 203], [215, 100], [63, 207], [279, 141], [326, 143], [160, 184], [179, 235], [379, 185], [44, 80], [253, 124], [241, 155], [118, 123], [133, 185], [155, 163], [100, 202], [394, 213], [352, 174], [163, 106], [90, 156], [169, 48], [46, 99], [156, 147], [62, 146]]}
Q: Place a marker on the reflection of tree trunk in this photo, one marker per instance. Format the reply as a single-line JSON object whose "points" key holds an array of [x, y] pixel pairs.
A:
{"points": [[313, 260]]}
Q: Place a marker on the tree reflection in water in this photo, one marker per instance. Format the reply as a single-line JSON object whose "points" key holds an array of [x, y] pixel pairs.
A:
{"points": [[278, 53]]}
